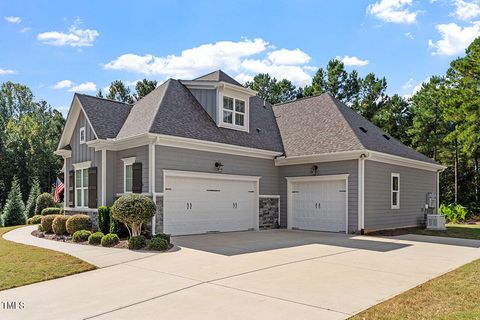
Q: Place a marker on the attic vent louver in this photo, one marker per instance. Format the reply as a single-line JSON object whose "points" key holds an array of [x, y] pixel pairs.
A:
{"points": [[386, 137], [363, 129]]}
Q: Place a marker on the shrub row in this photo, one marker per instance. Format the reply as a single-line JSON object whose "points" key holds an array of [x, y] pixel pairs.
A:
{"points": [[36, 219], [61, 224]]}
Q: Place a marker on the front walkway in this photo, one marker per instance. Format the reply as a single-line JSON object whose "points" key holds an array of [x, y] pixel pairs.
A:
{"points": [[96, 255], [275, 274]]}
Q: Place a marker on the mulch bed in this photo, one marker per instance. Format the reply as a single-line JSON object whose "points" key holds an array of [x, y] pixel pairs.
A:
{"points": [[393, 232]]}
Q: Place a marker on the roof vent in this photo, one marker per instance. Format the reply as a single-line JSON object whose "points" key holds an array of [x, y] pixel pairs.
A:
{"points": [[363, 129], [386, 137], [259, 130]]}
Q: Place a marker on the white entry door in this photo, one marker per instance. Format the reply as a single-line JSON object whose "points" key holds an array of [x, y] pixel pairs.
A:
{"points": [[199, 205], [319, 205]]}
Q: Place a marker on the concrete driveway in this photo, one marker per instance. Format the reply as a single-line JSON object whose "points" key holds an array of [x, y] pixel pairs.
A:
{"points": [[276, 274]]}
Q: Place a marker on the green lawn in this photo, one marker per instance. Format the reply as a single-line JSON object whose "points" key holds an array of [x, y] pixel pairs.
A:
{"points": [[21, 264], [467, 231], [453, 296]]}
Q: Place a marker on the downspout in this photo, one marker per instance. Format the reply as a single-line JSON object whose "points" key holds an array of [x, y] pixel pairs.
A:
{"points": [[438, 189], [361, 191]]}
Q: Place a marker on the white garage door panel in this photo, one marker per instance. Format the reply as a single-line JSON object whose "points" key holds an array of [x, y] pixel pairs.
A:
{"points": [[319, 205], [199, 205]]}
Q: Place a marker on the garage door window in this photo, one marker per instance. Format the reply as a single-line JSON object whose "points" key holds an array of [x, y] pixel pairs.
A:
{"points": [[395, 191]]}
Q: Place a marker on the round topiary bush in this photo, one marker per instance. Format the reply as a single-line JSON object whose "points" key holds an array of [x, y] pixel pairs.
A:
{"points": [[47, 222], [78, 222], [133, 210], [52, 210], [158, 244], [110, 240], [163, 236], [45, 200], [36, 219], [81, 236], [95, 238], [58, 225], [137, 243]]}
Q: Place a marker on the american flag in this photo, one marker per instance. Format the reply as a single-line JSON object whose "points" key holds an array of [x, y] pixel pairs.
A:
{"points": [[58, 190]]}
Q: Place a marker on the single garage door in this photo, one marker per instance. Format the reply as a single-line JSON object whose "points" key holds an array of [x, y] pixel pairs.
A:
{"points": [[319, 205], [196, 205]]}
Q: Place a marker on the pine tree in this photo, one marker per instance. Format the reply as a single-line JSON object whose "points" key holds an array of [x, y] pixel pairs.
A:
{"points": [[32, 199], [13, 211]]}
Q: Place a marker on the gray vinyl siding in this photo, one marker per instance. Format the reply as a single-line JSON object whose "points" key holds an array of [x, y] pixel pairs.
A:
{"points": [[111, 177], [414, 185], [208, 100], [82, 153], [141, 154], [325, 168], [200, 161]]}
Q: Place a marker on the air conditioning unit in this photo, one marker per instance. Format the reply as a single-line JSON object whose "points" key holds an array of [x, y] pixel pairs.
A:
{"points": [[435, 222]]}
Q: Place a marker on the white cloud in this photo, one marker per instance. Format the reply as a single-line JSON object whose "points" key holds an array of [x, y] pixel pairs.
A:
{"points": [[285, 56], [454, 38], [7, 71], [352, 61], [75, 36], [242, 59], [466, 10], [63, 84], [416, 87], [409, 35], [12, 19], [395, 11], [26, 29], [409, 84], [84, 87]]}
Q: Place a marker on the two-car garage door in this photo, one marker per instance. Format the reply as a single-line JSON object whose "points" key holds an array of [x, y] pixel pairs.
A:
{"points": [[209, 202]]}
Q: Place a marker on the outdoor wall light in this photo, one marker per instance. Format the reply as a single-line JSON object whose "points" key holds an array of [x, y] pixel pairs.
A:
{"points": [[219, 166], [314, 170]]}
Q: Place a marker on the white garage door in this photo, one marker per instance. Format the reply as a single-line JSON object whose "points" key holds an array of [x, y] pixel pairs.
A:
{"points": [[319, 205], [199, 205]]}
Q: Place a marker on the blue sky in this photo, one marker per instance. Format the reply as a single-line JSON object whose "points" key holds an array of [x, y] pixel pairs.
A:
{"points": [[58, 47]]}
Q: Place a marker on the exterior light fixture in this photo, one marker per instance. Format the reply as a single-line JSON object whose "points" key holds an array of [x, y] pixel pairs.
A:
{"points": [[314, 170], [219, 166]]}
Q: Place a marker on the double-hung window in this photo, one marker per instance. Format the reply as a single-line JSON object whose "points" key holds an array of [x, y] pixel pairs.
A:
{"points": [[81, 188], [395, 191], [128, 174], [233, 111]]}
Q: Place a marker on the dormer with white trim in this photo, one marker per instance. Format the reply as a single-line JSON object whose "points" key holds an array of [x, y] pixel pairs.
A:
{"points": [[224, 99]]}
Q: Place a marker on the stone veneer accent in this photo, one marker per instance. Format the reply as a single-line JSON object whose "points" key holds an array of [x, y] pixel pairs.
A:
{"points": [[159, 215], [93, 215], [268, 212]]}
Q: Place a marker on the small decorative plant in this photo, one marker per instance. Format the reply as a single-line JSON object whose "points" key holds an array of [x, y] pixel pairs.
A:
{"points": [[453, 212], [133, 210]]}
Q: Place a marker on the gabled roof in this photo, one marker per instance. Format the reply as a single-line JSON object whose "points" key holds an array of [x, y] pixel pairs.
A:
{"points": [[323, 124], [171, 109], [106, 116], [218, 75]]}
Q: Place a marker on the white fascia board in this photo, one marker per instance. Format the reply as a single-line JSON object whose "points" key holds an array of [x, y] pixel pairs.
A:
{"points": [[201, 84], [405, 162], [82, 165], [63, 153], [326, 157], [208, 175], [209, 146]]}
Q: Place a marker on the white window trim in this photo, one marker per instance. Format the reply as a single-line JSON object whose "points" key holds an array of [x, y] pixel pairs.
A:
{"points": [[235, 96], [82, 165], [82, 129], [397, 206], [127, 162], [83, 188]]}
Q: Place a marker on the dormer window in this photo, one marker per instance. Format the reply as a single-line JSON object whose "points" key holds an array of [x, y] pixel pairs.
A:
{"points": [[82, 135], [233, 111]]}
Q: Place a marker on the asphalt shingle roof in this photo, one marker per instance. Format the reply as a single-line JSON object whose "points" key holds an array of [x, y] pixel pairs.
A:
{"points": [[322, 124], [218, 75], [106, 116]]}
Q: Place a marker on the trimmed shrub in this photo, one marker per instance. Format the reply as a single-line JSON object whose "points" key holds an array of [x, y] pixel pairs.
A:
{"points": [[117, 227], [14, 207], [45, 200], [81, 236], [51, 210], [103, 219], [40, 228], [133, 210], [110, 240], [95, 238], [158, 244], [47, 222], [137, 242], [58, 225], [453, 212], [78, 222], [32, 199], [163, 236], [36, 219]]}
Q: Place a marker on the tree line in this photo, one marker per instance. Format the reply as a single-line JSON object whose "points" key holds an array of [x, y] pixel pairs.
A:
{"points": [[441, 120]]}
